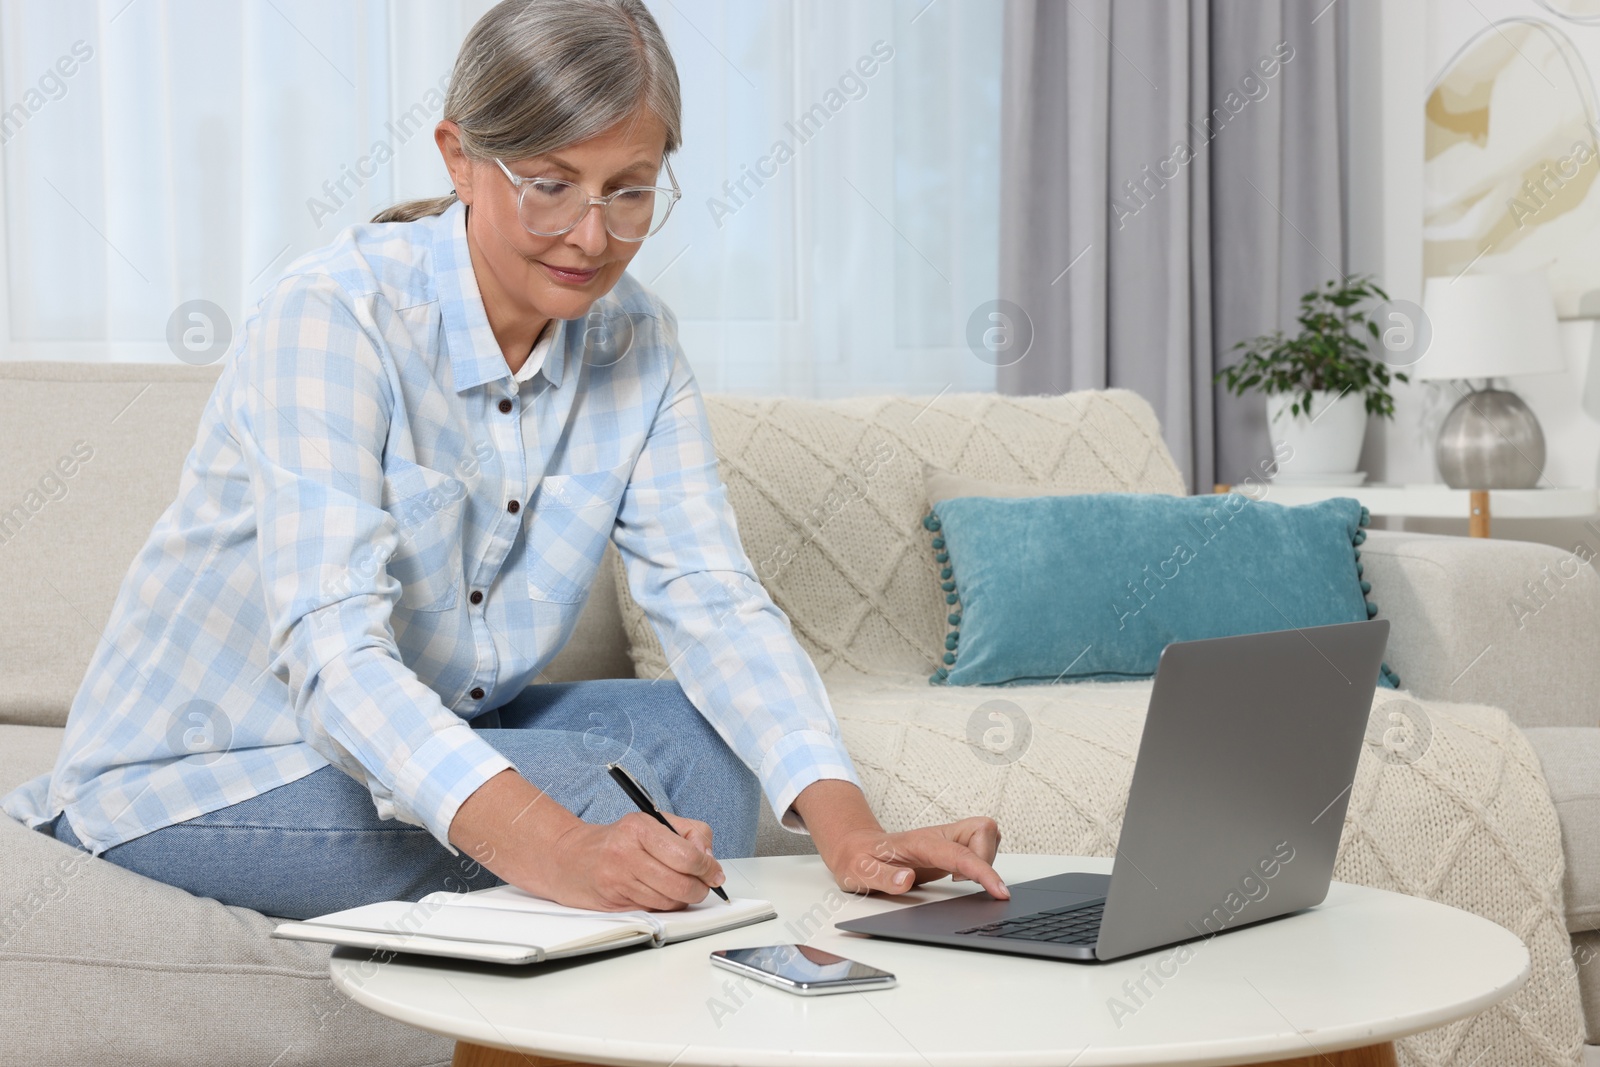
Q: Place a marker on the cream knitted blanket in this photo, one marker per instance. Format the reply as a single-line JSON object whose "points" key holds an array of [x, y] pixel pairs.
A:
{"points": [[829, 499]]}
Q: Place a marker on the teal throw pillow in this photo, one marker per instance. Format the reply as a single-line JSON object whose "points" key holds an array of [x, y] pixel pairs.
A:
{"points": [[1093, 586]]}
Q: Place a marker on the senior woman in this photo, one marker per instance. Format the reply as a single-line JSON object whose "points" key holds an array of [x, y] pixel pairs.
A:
{"points": [[315, 690]]}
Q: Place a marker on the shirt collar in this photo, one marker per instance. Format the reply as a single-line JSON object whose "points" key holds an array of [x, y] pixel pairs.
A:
{"points": [[475, 356], [540, 354]]}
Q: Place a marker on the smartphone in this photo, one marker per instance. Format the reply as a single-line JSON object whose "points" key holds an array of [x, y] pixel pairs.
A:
{"points": [[802, 969]]}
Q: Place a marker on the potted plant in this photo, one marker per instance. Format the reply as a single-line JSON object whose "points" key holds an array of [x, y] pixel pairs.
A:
{"points": [[1322, 384]]}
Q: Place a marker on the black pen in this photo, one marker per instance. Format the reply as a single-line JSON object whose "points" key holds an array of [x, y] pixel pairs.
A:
{"points": [[637, 794]]}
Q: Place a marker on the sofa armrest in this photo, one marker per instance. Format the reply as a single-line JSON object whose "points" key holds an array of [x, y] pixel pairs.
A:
{"points": [[1570, 757], [1507, 623]]}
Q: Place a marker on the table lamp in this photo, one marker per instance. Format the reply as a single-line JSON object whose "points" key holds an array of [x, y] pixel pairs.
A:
{"points": [[1490, 326]]}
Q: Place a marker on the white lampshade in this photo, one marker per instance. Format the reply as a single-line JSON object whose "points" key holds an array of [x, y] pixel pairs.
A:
{"points": [[1490, 326]]}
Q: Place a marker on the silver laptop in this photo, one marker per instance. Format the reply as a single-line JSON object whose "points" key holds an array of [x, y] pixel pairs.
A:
{"points": [[1234, 813]]}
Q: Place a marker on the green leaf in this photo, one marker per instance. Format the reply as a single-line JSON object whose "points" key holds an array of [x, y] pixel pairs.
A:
{"points": [[1330, 352]]}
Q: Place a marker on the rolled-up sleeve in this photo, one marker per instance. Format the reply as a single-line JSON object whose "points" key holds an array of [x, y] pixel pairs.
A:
{"points": [[310, 405], [729, 646]]}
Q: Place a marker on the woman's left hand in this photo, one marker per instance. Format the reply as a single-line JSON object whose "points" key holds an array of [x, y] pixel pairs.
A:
{"points": [[862, 860]]}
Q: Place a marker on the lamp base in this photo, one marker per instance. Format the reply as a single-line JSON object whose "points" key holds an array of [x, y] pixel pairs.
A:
{"points": [[1491, 440]]}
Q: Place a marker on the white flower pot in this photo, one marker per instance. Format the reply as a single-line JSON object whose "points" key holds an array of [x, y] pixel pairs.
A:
{"points": [[1326, 442]]}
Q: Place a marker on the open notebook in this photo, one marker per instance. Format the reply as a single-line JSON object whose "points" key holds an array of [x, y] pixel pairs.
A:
{"points": [[506, 925]]}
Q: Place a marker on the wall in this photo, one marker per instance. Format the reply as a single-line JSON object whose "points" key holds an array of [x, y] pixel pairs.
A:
{"points": [[1397, 49]]}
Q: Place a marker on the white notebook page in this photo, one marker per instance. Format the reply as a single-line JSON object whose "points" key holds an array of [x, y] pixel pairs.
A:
{"points": [[710, 914]]}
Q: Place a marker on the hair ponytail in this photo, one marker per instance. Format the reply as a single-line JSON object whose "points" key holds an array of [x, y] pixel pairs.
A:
{"points": [[534, 76], [412, 210]]}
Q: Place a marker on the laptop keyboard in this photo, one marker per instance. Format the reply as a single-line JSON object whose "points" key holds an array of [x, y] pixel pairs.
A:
{"points": [[1075, 924]]}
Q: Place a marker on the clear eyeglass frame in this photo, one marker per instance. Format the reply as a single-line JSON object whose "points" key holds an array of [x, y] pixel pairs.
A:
{"points": [[673, 195]]}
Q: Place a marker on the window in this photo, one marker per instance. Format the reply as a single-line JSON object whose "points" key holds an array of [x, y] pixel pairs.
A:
{"points": [[840, 173]]}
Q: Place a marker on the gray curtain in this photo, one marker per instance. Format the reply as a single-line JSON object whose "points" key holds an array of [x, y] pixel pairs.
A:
{"points": [[1171, 182]]}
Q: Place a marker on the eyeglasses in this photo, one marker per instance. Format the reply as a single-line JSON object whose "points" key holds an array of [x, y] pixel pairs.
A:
{"points": [[549, 207]]}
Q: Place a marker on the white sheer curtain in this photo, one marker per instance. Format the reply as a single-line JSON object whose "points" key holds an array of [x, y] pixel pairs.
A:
{"points": [[187, 156], [162, 151], [855, 266]]}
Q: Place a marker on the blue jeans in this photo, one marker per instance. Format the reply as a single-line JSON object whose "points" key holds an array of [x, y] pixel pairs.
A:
{"points": [[316, 845]]}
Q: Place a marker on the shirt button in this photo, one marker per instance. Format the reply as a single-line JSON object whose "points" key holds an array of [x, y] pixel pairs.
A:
{"points": [[505, 406], [477, 692], [477, 596], [514, 507]]}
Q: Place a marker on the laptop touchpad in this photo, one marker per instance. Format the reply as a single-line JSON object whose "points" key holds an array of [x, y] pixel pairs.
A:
{"points": [[1080, 882], [947, 916]]}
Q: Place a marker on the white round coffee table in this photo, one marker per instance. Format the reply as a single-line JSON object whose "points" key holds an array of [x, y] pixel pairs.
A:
{"points": [[1338, 983]]}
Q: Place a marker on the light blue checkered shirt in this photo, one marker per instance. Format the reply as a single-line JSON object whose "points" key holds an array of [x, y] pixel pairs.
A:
{"points": [[381, 533]]}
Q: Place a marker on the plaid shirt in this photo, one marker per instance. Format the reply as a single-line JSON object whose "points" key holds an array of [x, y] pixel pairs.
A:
{"points": [[380, 534]]}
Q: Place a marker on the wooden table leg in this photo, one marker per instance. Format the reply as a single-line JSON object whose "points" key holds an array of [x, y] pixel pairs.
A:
{"points": [[1367, 1056], [1478, 519], [470, 1055]]}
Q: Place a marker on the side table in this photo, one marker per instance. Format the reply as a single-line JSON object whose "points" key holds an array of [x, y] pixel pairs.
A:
{"points": [[1432, 501]]}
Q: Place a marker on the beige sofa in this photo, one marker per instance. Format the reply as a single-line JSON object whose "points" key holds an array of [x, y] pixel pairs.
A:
{"points": [[96, 962]]}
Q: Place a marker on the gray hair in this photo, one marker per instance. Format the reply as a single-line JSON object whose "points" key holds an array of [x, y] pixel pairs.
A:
{"points": [[534, 76]]}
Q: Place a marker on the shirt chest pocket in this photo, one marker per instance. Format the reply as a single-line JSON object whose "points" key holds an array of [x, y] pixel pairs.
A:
{"points": [[427, 561], [567, 529]]}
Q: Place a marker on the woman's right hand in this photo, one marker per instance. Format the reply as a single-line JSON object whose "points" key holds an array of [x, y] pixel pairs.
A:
{"points": [[630, 864], [511, 827]]}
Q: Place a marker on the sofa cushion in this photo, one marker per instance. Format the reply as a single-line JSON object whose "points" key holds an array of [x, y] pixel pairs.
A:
{"points": [[1096, 585], [1570, 756], [87, 448], [829, 494], [142, 973]]}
